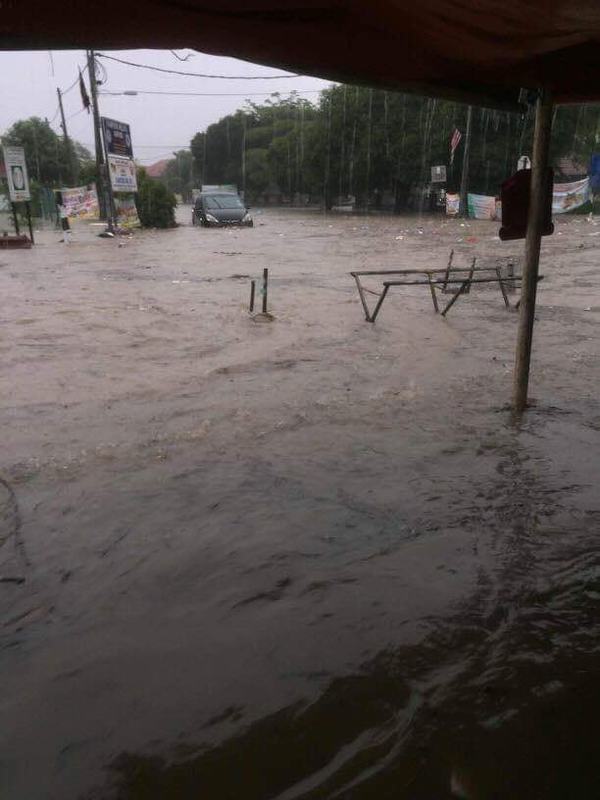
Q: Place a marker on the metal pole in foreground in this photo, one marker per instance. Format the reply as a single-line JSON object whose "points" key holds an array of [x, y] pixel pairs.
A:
{"points": [[252, 291], [535, 218], [464, 178], [265, 289]]}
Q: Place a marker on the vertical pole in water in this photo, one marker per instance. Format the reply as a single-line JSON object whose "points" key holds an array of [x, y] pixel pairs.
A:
{"points": [[252, 291], [16, 219], [265, 288], [535, 219], [28, 207]]}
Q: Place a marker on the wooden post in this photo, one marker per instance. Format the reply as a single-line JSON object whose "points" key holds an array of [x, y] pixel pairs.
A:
{"points": [[265, 290], [15, 218], [539, 177], [29, 222]]}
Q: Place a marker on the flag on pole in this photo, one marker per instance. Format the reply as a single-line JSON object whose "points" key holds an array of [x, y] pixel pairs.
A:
{"points": [[454, 142], [85, 99]]}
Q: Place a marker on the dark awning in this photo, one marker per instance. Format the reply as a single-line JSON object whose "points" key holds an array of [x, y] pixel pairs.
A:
{"points": [[481, 51]]}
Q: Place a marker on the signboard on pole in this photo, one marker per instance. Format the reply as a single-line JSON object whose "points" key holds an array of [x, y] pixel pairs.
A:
{"points": [[438, 174], [117, 138], [122, 174], [16, 174]]}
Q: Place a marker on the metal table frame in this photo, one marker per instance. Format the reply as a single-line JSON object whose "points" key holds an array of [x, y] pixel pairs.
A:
{"points": [[447, 278]]}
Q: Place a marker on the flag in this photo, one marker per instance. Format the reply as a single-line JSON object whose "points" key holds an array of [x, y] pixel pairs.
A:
{"points": [[454, 142], [85, 99]]}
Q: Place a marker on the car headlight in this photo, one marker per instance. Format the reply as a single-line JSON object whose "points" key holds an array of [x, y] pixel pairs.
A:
{"points": [[210, 218]]}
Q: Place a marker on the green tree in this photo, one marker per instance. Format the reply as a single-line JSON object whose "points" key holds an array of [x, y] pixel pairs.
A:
{"points": [[49, 161]]}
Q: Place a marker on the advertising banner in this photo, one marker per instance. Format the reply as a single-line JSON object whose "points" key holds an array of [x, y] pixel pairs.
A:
{"points": [[127, 216], [481, 206], [117, 138], [122, 174], [81, 202], [16, 174], [569, 196], [452, 204]]}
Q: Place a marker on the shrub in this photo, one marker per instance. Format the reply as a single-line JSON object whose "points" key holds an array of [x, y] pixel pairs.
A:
{"points": [[155, 203]]}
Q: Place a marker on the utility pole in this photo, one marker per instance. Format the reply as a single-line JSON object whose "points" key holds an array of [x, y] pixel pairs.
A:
{"points": [[464, 179], [544, 111], [68, 143], [103, 201]]}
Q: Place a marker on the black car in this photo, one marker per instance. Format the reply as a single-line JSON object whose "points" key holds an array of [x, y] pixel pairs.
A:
{"points": [[220, 208]]}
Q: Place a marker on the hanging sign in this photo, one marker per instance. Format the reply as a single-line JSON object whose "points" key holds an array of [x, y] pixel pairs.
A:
{"points": [[117, 138], [16, 174], [438, 174], [122, 174]]}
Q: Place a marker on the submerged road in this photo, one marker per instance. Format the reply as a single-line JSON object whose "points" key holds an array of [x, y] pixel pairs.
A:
{"points": [[304, 558]]}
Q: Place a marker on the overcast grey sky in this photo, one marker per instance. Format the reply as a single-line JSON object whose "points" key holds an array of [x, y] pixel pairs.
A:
{"points": [[159, 123]]}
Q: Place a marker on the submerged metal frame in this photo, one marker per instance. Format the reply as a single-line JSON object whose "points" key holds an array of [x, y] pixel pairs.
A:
{"points": [[463, 284]]}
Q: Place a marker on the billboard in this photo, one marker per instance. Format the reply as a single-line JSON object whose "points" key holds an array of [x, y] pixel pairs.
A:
{"points": [[16, 174], [117, 138], [122, 174]]}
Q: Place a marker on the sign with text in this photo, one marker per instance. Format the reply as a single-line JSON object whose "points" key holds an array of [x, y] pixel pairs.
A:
{"points": [[438, 174], [16, 174], [122, 174], [117, 138]]}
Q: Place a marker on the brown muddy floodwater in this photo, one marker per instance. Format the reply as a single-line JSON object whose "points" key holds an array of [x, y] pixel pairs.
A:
{"points": [[306, 558]]}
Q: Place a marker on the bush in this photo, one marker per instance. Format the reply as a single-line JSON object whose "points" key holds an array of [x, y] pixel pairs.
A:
{"points": [[155, 203]]}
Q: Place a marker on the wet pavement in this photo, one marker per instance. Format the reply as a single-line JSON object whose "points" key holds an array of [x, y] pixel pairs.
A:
{"points": [[304, 558]]}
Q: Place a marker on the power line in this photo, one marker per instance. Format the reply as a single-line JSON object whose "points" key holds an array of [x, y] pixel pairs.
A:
{"points": [[81, 110], [207, 94], [200, 74], [75, 82]]}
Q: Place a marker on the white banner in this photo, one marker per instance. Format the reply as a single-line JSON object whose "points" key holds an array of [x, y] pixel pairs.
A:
{"points": [[16, 174], [567, 196], [122, 174]]}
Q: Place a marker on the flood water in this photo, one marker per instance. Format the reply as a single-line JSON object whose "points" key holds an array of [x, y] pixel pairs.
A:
{"points": [[304, 558]]}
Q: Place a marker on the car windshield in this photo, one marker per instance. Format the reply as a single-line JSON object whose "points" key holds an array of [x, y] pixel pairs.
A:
{"points": [[222, 201]]}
